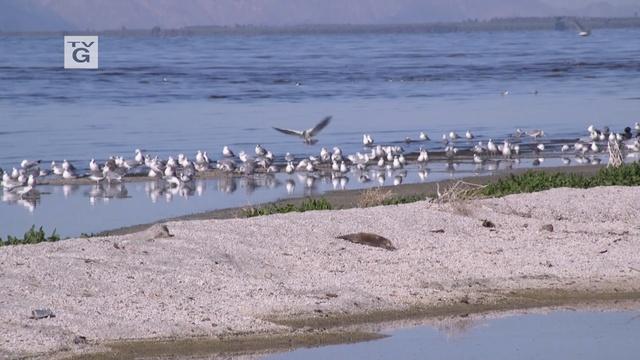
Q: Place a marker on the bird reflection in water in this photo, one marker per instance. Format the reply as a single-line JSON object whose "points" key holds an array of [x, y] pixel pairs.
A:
{"points": [[423, 173], [68, 190], [157, 189], [290, 185], [28, 202], [105, 192], [227, 184]]}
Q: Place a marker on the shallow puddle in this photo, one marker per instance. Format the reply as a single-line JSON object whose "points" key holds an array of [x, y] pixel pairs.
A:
{"points": [[556, 335]]}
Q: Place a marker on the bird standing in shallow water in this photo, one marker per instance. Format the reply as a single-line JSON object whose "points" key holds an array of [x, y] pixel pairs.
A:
{"points": [[423, 156], [367, 140], [227, 152], [491, 146], [469, 135], [506, 149], [260, 151], [69, 173], [97, 176], [93, 165], [56, 169], [24, 190], [290, 168], [535, 133]]}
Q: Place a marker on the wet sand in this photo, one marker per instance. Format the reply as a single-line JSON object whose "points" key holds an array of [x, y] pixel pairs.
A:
{"points": [[287, 276]]}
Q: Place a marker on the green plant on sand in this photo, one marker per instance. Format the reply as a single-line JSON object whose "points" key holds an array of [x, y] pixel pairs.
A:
{"points": [[32, 236], [533, 181], [306, 205]]}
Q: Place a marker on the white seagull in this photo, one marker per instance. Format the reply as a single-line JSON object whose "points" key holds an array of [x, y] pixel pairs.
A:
{"points": [[535, 133], [56, 169], [506, 149], [367, 140], [469, 135], [582, 31], [226, 152], [491, 146], [307, 135], [423, 156], [93, 165], [260, 151]]}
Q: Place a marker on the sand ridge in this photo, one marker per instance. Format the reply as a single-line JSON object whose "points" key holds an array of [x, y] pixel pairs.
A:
{"points": [[226, 277]]}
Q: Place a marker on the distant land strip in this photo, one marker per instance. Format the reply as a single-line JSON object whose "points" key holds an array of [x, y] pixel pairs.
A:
{"points": [[558, 23]]}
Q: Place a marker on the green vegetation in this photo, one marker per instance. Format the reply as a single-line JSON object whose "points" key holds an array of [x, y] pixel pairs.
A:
{"points": [[397, 200], [533, 181], [32, 236], [306, 205]]}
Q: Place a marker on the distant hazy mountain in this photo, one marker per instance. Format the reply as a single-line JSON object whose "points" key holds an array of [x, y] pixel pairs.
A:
{"points": [[25, 15]]}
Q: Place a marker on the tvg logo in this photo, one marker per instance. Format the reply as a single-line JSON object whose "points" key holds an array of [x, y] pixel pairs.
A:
{"points": [[80, 52]]}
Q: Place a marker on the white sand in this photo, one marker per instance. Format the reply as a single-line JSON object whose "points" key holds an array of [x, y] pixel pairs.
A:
{"points": [[224, 276]]}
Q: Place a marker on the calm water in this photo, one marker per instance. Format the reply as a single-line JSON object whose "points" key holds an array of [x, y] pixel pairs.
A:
{"points": [[171, 95], [559, 335]]}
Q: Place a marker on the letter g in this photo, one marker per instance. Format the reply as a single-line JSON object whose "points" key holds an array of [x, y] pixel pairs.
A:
{"points": [[83, 58]]}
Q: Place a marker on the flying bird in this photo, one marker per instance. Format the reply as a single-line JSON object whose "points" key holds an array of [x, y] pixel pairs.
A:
{"points": [[582, 31], [307, 135]]}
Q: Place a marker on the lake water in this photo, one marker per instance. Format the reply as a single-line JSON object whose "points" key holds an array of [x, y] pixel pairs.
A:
{"points": [[181, 94], [558, 335]]}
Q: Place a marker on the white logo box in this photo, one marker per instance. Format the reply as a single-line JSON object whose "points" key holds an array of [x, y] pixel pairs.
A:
{"points": [[80, 52]]}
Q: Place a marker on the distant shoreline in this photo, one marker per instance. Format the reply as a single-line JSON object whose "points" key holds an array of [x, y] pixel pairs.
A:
{"points": [[558, 23]]}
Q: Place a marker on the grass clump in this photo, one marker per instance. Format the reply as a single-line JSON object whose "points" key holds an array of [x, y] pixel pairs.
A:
{"points": [[32, 236], [407, 199], [377, 196], [306, 205], [373, 197], [533, 181]]}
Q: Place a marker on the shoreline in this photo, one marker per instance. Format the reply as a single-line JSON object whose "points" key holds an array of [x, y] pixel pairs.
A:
{"points": [[288, 275], [347, 199]]}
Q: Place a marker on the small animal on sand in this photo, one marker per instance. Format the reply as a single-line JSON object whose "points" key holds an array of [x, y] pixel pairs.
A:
{"points": [[369, 239]]}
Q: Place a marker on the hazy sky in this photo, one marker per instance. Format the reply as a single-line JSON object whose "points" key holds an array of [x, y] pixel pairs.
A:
{"points": [[27, 15]]}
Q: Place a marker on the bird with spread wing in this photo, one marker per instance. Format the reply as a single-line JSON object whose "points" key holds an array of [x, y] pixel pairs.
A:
{"points": [[582, 31], [307, 135]]}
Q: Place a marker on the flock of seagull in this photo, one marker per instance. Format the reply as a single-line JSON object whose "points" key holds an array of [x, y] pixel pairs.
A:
{"points": [[176, 172]]}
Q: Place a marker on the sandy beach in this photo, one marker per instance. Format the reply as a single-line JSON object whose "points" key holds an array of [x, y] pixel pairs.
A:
{"points": [[272, 275]]}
